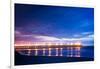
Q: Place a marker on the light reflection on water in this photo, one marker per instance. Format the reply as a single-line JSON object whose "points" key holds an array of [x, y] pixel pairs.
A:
{"points": [[68, 52]]}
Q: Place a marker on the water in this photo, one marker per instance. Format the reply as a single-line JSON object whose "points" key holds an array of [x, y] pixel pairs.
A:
{"points": [[87, 51]]}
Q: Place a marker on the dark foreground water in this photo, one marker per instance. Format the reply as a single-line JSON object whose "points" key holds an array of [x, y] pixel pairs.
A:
{"points": [[68, 54]]}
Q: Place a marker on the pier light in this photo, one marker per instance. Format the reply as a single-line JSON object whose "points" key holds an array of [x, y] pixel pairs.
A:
{"points": [[71, 43], [44, 51], [49, 48], [56, 44], [61, 52], [36, 44], [49, 52], [49, 44], [78, 43], [56, 51], [78, 48], [29, 51], [36, 52]]}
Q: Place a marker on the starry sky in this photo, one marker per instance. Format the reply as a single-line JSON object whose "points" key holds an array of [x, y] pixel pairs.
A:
{"points": [[54, 23]]}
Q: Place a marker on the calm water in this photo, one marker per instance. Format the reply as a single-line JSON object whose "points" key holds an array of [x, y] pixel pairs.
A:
{"points": [[87, 51]]}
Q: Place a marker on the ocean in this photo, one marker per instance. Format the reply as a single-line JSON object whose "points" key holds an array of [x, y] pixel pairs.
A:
{"points": [[68, 54]]}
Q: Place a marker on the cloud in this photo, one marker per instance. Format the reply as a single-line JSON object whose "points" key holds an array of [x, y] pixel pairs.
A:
{"points": [[91, 36], [50, 38], [86, 33], [86, 38], [32, 38], [46, 37], [82, 34], [77, 35]]}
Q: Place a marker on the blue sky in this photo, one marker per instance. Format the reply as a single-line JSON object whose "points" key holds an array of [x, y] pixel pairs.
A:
{"points": [[38, 22]]}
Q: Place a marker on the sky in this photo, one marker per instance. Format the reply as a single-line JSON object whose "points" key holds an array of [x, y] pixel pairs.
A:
{"points": [[54, 23]]}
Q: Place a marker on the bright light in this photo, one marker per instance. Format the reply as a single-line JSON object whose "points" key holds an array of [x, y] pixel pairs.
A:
{"points": [[46, 43], [77, 43], [49, 44], [71, 43]]}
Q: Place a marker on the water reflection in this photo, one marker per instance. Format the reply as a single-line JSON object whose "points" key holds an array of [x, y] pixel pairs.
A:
{"points": [[68, 52]]}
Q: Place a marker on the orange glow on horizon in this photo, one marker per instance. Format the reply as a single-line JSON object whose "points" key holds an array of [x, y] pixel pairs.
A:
{"points": [[47, 43]]}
